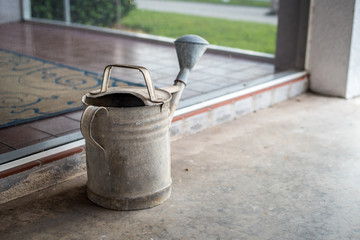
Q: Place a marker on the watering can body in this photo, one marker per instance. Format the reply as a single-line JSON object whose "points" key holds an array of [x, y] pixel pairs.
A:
{"points": [[127, 155], [126, 130], [127, 144]]}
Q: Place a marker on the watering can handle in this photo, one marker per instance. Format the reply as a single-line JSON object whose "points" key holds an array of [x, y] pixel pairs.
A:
{"points": [[86, 123], [149, 83]]}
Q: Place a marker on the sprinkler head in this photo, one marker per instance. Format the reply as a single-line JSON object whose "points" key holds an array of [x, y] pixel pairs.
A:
{"points": [[189, 49]]}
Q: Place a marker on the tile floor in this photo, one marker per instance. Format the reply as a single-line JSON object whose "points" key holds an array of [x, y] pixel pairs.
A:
{"points": [[92, 51]]}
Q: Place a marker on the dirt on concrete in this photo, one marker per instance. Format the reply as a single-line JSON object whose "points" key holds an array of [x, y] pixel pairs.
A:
{"points": [[288, 172]]}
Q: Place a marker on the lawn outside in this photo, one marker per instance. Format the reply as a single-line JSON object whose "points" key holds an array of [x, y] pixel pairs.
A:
{"points": [[254, 3], [230, 33]]}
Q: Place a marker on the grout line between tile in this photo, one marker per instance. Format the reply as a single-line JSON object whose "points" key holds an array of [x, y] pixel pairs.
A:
{"points": [[71, 118], [7, 145], [39, 130]]}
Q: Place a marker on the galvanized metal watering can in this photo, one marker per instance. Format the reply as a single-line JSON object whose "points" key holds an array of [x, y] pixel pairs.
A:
{"points": [[126, 130]]}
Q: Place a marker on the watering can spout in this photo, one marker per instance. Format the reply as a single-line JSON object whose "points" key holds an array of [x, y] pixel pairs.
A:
{"points": [[189, 49]]}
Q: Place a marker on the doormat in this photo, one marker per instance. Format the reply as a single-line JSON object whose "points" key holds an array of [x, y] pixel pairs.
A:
{"points": [[34, 88]]}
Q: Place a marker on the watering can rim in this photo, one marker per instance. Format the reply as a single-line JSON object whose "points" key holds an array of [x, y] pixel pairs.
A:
{"points": [[163, 96]]}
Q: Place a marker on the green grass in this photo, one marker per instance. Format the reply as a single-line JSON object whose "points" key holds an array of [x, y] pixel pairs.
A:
{"points": [[254, 3], [237, 34]]}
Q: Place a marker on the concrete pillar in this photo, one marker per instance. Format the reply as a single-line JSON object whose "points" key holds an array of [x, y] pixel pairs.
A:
{"points": [[292, 34], [10, 11], [333, 52]]}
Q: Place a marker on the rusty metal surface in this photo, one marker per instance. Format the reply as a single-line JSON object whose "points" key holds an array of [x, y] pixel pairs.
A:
{"points": [[127, 136], [128, 154], [136, 203]]}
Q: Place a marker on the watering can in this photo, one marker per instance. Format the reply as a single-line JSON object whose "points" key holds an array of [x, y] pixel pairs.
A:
{"points": [[126, 130]]}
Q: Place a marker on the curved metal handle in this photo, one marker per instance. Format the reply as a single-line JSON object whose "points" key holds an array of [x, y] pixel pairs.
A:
{"points": [[86, 122], [146, 74]]}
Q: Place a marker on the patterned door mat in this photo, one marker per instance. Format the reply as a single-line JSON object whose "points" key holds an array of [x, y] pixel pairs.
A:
{"points": [[34, 88]]}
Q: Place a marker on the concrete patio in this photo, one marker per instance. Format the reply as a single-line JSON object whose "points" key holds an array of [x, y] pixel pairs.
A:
{"points": [[287, 172]]}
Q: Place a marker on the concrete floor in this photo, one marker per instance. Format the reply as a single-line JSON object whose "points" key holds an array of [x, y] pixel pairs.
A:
{"points": [[287, 172]]}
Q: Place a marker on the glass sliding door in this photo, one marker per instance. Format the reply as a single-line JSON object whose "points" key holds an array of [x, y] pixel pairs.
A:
{"points": [[241, 24]]}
